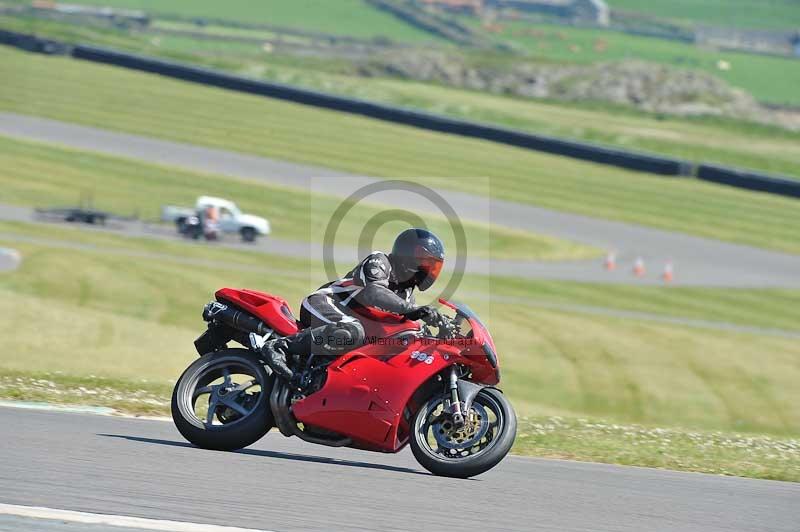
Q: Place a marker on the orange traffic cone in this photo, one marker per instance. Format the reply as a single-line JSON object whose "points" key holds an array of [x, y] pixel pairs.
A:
{"points": [[669, 273], [638, 267], [611, 261]]}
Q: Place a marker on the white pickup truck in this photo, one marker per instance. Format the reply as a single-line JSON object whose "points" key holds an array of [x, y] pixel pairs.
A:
{"points": [[231, 219]]}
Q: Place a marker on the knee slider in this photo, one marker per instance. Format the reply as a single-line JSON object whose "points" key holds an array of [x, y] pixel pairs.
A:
{"points": [[356, 331], [343, 336]]}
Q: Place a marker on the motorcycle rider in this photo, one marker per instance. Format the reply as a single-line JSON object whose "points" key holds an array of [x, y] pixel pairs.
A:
{"points": [[380, 287]]}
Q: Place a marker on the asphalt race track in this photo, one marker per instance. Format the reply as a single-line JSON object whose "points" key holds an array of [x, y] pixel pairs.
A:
{"points": [[143, 468], [698, 261]]}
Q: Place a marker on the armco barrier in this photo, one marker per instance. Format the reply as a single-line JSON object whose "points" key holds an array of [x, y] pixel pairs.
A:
{"points": [[749, 180], [578, 150], [32, 43]]}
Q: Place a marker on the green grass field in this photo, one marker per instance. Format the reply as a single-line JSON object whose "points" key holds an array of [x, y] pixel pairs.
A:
{"points": [[767, 308], [723, 453], [768, 78], [705, 139], [720, 140], [556, 362], [33, 174], [353, 18], [125, 310], [151, 105], [750, 14]]}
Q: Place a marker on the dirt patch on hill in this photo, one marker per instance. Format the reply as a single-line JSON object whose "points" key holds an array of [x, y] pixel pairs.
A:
{"points": [[647, 86]]}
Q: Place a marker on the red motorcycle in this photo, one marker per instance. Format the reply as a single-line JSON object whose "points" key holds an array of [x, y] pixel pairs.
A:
{"points": [[406, 385]]}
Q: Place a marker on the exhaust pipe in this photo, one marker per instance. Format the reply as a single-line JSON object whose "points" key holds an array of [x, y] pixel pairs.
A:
{"points": [[216, 311], [286, 422]]}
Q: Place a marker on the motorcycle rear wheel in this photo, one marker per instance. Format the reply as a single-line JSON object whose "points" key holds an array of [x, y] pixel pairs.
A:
{"points": [[238, 413], [447, 451]]}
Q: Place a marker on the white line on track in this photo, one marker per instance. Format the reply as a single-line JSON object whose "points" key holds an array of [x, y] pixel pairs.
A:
{"points": [[79, 409], [76, 409], [35, 512]]}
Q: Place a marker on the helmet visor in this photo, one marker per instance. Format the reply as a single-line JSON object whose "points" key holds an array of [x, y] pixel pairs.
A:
{"points": [[431, 267]]}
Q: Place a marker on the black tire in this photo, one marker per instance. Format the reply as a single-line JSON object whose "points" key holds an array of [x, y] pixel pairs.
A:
{"points": [[238, 434], [473, 465], [194, 232], [180, 225], [249, 234]]}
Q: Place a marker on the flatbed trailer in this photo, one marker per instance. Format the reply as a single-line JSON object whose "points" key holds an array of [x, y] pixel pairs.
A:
{"points": [[75, 214]]}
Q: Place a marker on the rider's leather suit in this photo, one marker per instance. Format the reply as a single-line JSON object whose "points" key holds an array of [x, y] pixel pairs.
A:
{"points": [[334, 315]]}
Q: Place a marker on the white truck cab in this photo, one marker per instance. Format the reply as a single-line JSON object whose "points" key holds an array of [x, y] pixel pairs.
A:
{"points": [[231, 218]]}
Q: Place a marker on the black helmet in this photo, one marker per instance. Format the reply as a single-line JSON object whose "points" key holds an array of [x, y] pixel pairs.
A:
{"points": [[417, 256]]}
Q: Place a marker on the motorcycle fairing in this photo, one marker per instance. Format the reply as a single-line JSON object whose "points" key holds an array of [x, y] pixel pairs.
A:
{"points": [[273, 310], [365, 394], [276, 313]]}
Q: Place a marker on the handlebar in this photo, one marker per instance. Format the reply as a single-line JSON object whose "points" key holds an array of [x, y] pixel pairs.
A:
{"points": [[447, 326]]}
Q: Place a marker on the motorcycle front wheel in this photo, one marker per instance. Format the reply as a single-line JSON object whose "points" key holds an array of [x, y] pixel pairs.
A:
{"points": [[462, 452], [221, 401]]}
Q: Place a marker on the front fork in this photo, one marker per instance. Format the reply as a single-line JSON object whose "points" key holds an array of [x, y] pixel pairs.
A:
{"points": [[455, 403], [462, 393]]}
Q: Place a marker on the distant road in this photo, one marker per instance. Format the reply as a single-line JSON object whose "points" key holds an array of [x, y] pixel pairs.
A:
{"points": [[140, 468], [697, 261]]}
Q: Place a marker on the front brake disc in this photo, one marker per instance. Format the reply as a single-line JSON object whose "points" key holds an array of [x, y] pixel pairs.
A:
{"points": [[449, 436]]}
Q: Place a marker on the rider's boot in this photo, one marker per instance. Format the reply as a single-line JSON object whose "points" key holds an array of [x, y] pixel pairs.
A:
{"points": [[275, 356], [332, 339]]}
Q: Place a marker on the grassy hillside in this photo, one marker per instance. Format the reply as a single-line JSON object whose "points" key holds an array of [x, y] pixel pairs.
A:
{"points": [[125, 311], [767, 308], [767, 78], [150, 105], [766, 14], [725, 141], [38, 174], [354, 18], [719, 140]]}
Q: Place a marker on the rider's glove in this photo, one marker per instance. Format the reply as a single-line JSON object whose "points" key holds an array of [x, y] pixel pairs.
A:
{"points": [[427, 314]]}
